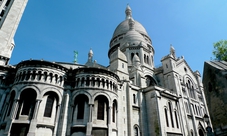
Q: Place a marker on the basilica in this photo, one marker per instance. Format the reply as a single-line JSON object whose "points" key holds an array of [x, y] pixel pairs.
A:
{"points": [[130, 97]]}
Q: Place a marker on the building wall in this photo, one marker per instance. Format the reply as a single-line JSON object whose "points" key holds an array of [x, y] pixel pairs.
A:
{"points": [[215, 88], [10, 15]]}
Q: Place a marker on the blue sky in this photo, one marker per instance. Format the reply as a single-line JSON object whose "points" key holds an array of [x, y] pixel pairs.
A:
{"points": [[52, 29]]}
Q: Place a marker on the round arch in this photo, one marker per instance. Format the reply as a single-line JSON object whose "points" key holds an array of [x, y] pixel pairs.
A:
{"points": [[32, 87], [150, 80], [84, 93], [185, 77], [136, 129], [101, 93], [51, 89]]}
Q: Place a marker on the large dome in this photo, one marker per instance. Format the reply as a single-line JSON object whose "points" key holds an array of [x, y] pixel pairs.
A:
{"points": [[123, 28]]}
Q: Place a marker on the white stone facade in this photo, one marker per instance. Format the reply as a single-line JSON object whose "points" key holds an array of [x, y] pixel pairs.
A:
{"points": [[129, 97]]}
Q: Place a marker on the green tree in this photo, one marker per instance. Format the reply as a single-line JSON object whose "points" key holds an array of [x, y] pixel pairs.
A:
{"points": [[220, 50]]}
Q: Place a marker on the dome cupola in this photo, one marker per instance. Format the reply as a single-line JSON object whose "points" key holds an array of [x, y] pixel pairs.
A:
{"points": [[132, 38], [125, 29]]}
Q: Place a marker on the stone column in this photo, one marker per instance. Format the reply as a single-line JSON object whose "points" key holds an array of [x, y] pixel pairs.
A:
{"points": [[109, 121], [56, 120], [33, 124], [36, 109], [64, 121], [14, 109], [89, 124]]}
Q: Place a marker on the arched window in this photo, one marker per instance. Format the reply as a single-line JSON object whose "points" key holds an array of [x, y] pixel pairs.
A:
{"points": [[98, 82], [134, 98], [114, 112], [166, 115], [87, 81], [186, 106], [33, 75], [147, 60], [103, 83], [176, 117], [39, 75], [132, 55], [93, 81], [82, 82], [49, 106], [190, 89], [171, 114], [192, 133], [101, 109], [27, 104], [80, 102], [136, 131], [144, 57], [150, 80], [51, 77]]}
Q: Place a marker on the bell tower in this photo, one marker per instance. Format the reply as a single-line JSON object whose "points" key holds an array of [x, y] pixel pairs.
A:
{"points": [[10, 14]]}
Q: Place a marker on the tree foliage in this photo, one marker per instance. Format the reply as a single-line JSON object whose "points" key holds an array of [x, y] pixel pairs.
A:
{"points": [[220, 50]]}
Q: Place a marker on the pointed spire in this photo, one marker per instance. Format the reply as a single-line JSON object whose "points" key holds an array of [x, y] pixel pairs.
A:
{"points": [[128, 12]]}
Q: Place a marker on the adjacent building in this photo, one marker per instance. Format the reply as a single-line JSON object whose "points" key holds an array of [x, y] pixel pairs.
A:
{"points": [[215, 88], [129, 97]]}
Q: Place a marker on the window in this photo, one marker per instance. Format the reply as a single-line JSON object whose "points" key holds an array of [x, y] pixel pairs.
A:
{"points": [[191, 132], [136, 132], [171, 115], [147, 60], [80, 103], [134, 98], [82, 82], [190, 89], [132, 55], [186, 106], [80, 111], [87, 81], [27, 103], [113, 110], [193, 108], [166, 114], [176, 119], [101, 109], [196, 110], [49, 106]]}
